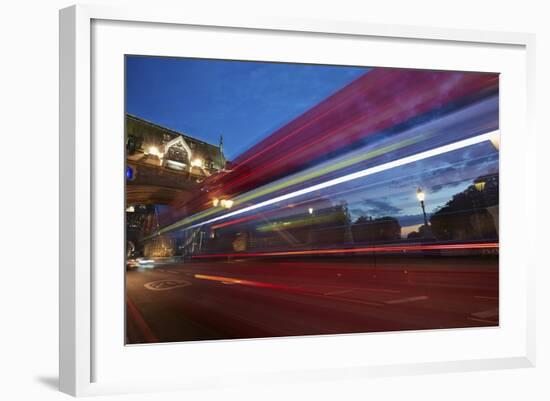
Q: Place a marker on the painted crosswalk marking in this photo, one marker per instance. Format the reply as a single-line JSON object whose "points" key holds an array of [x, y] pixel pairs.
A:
{"points": [[405, 300], [486, 313]]}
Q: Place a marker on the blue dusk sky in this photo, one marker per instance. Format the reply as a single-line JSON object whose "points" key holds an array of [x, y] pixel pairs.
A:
{"points": [[243, 101]]}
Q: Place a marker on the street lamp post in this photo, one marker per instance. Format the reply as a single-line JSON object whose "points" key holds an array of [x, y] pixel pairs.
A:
{"points": [[421, 196]]}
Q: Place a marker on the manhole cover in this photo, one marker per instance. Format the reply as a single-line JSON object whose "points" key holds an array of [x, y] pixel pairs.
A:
{"points": [[163, 285]]}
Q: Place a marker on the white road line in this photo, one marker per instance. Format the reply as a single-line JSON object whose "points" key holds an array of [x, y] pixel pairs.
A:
{"points": [[358, 301], [486, 313], [405, 300], [482, 320], [347, 290], [382, 290], [339, 292]]}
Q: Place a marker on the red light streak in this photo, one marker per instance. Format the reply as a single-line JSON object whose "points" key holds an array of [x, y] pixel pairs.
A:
{"points": [[306, 137], [423, 100], [385, 249], [235, 221]]}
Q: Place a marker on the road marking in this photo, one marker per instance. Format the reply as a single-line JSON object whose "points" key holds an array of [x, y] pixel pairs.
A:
{"points": [[382, 290], [273, 286], [482, 320], [358, 301], [347, 290], [164, 285], [486, 313], [485, 297], [405, 300], [339, 292], [344, 290]]}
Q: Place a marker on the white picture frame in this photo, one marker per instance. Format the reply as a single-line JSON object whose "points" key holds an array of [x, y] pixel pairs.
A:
{"points": [[82, 344]]}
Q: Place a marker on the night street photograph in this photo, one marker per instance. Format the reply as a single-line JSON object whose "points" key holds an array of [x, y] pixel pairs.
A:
{"points": [[279, 199]]}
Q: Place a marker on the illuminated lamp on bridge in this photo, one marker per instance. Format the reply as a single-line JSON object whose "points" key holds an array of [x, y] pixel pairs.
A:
{"points": [[226, 203], [174, 165], [197, 163], [153, 151], [129, 173]]}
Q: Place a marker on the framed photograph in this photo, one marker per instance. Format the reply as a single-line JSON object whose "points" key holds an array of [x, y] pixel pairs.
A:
{"points": [[266, 200]]}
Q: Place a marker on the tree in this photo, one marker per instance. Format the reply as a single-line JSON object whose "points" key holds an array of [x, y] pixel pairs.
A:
{"points": [[423, 232], [465, 216], [367, 229]]}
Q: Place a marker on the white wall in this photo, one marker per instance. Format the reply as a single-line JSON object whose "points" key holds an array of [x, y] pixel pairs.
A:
{"points": [[28, 196]]}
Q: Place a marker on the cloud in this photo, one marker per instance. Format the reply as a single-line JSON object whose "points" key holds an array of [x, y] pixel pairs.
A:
{"points": [[438, 187], [412, 219], [378, 208]]}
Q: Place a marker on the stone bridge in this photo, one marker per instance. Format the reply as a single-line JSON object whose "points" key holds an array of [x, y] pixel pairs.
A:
{"points": [[163, 165]]}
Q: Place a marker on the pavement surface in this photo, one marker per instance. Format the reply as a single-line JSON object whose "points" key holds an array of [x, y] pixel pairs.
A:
{"points": [[231, 299]]}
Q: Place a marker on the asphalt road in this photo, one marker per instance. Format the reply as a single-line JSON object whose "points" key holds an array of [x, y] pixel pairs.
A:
{"points": [[265, 298]]}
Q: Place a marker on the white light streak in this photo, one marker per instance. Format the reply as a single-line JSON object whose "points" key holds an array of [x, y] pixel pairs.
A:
{"points": [[359, 174]]}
